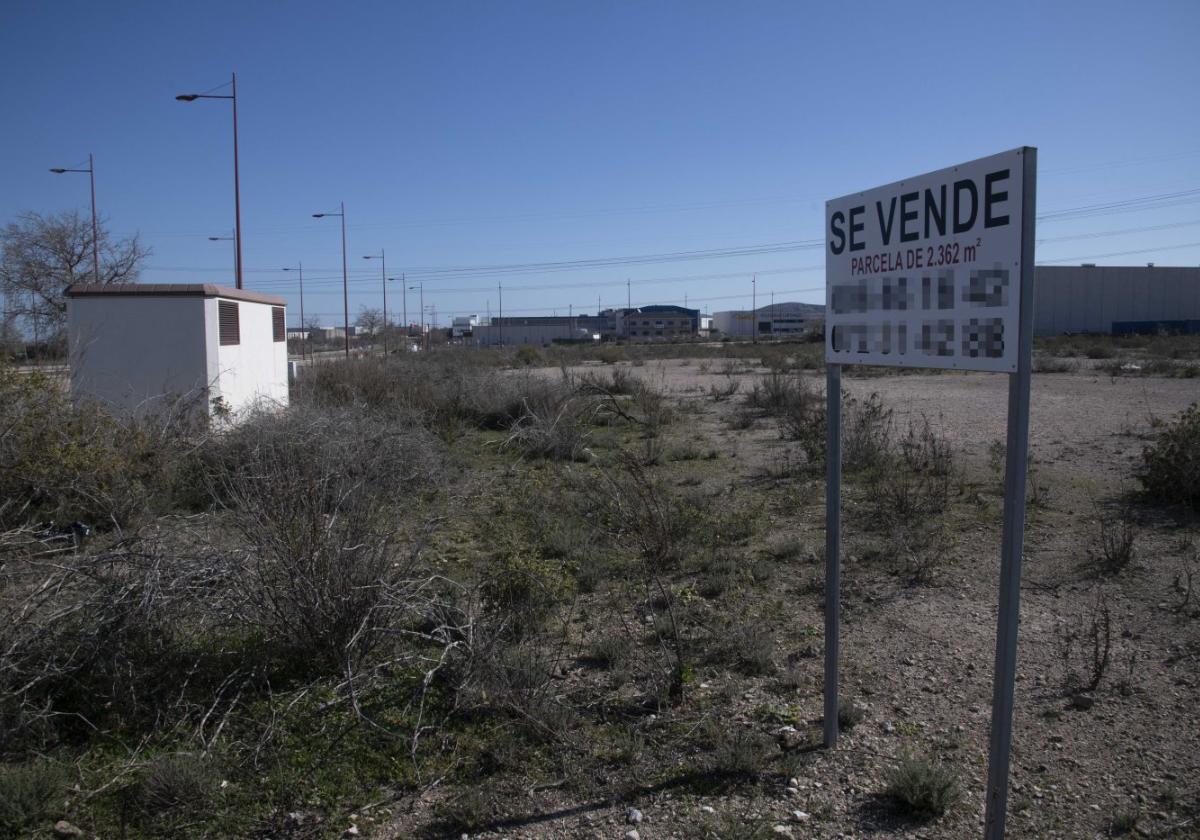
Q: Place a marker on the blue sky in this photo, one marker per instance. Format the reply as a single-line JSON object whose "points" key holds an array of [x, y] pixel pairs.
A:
{"points": [[467, 134]]}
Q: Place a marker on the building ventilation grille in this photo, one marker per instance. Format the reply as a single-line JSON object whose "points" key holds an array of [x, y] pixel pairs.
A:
{"points": [[277, 323], [227, 317]]}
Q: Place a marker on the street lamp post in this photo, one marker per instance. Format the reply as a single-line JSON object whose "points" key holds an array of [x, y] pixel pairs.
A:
{"points": [[345, 277], [421, 286], [237, 198], [383, 274], [232, 239], [403, 306], [91, 171], [304, 342]]}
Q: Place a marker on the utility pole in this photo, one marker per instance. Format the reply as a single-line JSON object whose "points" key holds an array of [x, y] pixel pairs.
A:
{"points": [[754, 308], [628, 297], [382, 257], [304, 338], [500, 289]]}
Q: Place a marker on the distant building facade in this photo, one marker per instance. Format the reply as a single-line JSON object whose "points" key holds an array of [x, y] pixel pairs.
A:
{"points": [[656, 323], [773, 320], [1115, 299]]}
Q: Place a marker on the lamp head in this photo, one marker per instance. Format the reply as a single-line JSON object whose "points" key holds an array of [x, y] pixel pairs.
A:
{"points": [[188, 97], [58, 171]]}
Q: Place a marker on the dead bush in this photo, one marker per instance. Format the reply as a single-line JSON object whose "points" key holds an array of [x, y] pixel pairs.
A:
{"points": [[85, 640], [555, 432], [1114, 548], [781, 393], [618, 380], [866, 434], [1085, 648], [313, 496], [440, 393], [924, 450]]}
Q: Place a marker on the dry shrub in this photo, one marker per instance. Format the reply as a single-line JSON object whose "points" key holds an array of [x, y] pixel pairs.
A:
{"points": [[1085, 647], [923, 788], [90, 640], [28, 793], [781, 394], [177, 781], [1170, 471], [1115, 542], [736, 751], [439, 392], [555, 432], [866, 433], [311, 494], [618, 381], [61, 461]]}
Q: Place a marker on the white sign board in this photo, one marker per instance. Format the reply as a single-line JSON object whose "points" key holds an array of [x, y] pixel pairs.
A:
{"points": [[926, 272]]}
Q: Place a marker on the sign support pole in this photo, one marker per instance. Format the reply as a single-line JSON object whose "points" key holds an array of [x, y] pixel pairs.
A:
{"points": [[833, 540], [1014, 522]]}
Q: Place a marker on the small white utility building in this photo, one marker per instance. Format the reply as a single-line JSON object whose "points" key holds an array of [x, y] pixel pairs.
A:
{"points": [[141, 347]]}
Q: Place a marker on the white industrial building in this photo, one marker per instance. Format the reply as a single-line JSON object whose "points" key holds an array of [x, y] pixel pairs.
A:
{"points": [[538, 335], [142, 347], [463, 325], [778, 319], [1107, 299]]}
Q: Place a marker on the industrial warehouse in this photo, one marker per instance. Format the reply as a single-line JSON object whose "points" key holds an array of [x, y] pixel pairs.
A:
{"points": [[1068, 299]]}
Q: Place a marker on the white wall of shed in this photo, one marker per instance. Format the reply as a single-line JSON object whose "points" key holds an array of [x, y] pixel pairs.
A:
{"points": [[252, 373], [134, 353]]}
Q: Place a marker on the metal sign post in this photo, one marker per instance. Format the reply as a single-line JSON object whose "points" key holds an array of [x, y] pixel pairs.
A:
{"points": [[833, 546], [937, 271], [1013, 541]]}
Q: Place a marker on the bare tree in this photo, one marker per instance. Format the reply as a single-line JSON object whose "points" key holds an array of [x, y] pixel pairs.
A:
{"points": [[369, 320], [40, 255]]}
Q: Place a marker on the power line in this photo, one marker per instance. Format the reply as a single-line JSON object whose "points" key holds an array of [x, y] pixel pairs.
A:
{"points": [[1122, 253], [1148, 202], [1107, 233]]}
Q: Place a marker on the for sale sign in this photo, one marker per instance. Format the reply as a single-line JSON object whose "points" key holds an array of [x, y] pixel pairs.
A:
{"points": [[926, 272]]}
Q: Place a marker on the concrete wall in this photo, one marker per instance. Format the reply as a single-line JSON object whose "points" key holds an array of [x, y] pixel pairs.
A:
{"points": [[254, 371], [134, 352], [1090, 298]]}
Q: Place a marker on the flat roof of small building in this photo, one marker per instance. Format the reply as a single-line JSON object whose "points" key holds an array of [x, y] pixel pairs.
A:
{"points": [[206, 290]]}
